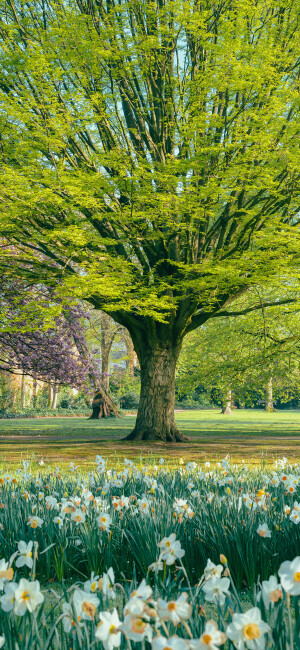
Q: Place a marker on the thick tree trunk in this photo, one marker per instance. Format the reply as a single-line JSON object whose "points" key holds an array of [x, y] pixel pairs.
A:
{"points": [[269, 396], [155, 418], [226, 410]]}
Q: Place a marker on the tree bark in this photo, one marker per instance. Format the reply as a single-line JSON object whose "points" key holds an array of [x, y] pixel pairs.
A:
{"points": [[23, 392], [131, 354], [55, 394], [50, 395], [103, 406], [226, 410], [105, 352], [108, 332], [269, 396], [34, 392], [155, 418]]}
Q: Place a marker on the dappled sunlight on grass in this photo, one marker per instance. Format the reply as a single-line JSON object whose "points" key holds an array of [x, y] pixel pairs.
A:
{"points": [[252, 435]]}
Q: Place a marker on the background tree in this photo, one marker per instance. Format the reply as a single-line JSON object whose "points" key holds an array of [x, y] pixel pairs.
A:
{"points": [[235, 358], [102, 330], [48, 349], [150, 162]]}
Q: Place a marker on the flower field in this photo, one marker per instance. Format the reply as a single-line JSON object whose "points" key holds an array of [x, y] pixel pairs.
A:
{"points": [[150, 557]]}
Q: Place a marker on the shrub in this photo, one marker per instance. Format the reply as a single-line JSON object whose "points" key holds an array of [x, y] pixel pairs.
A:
{"points": [[129, 401]]}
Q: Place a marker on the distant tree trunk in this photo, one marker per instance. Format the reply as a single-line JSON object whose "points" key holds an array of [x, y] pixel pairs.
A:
{"points": [[50, 395], [34, 392], [269, 396], [110, 406], [108, 332], [103, 406], [226, 410], [23, 392], [105, 352], [131, 354], [55, 394]]}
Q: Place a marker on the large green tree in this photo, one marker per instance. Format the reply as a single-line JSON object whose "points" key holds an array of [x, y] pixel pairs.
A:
{"points": [[149, 161]]}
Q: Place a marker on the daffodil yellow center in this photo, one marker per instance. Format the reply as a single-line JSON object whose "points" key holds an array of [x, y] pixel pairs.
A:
{"points": [[251, 631], [25, 595], [138, 626], [275, 595], [89, 609], [8, 574], [206, 639], [171, 606], [297, 576]]}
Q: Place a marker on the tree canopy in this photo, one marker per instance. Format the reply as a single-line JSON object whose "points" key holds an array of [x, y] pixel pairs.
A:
{"points": [[40, 340]]}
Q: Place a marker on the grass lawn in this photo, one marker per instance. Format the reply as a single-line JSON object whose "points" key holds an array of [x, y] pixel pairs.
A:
{"points": [[251, 435]]}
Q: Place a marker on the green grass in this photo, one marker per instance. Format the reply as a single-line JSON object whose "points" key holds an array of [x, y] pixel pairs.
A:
{"points": [[249, 435]]}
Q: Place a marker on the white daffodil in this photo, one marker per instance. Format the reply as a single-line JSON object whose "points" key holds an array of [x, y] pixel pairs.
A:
{"points": [[172, 643], [104, 521], [143, 591], [120, 502], [134, 607], [34, 521], [2, 641], [216, 590], [156, 566], [213, 570], [8, 598], [211, 639], [289, 573], [6, 573], [271, 591], [295, 516], [25, 557], [108, 630], [106, 584], [68, 618], [263, 530], [85, 605], [144, 505], [166, 542], [59, 520], [248, 630], [170, 549], [51, 503], [174, 610], [91, 584], [27, 596], [136, 629], [78, 516]]}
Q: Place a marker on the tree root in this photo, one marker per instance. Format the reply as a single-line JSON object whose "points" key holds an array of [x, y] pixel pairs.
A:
{"points": [[173, 435]]}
